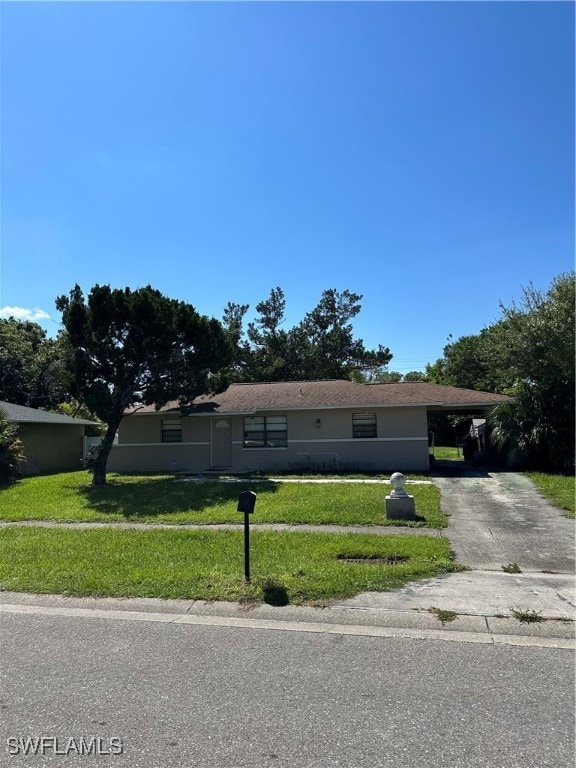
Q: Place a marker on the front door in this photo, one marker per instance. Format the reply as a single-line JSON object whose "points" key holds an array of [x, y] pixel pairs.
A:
{"points": [[221, 443]]}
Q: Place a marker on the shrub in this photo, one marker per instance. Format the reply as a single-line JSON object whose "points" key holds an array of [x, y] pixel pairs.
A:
{"points": [[11, 450]]}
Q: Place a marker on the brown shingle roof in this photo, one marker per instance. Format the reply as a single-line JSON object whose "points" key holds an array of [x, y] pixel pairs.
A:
{"points": [[296, 395]]}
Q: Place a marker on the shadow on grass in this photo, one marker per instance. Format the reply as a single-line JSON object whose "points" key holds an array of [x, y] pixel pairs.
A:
{"points": [[149, 497], [275, 594]]}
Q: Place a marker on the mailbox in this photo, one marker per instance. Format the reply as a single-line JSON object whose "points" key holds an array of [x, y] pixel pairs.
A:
{"points": [[246, 504], [247, 501]]}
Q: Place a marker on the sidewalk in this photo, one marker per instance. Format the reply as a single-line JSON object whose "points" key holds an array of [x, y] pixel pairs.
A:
{"points": [[375, 530]]}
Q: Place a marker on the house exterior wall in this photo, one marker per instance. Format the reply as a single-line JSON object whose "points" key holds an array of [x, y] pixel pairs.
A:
{"points": [[401, 443], [140, 447], [51, 447]]}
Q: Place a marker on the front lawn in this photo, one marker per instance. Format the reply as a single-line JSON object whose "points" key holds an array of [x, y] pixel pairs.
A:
{"points": [[158, 498], [559, 489], [289, 567]]}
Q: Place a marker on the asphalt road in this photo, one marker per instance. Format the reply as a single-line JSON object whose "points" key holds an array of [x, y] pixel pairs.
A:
{"points": [[204, 697]]}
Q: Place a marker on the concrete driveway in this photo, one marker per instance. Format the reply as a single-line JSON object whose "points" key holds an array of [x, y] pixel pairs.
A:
{"points": [[495, 519], [500, 518]]}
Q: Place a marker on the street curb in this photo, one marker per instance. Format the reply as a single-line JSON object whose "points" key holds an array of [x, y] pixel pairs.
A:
{"points": [[330, 620]]}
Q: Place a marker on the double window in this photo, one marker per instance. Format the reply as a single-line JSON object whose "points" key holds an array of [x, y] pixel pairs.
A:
{"points": [[364, 425], [265, 432], [172, 429]]}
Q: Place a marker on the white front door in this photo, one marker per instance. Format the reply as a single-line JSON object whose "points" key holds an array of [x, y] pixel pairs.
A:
{"points": [[221, 443]]}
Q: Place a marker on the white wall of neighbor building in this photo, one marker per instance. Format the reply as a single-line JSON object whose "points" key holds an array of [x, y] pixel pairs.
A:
{"points": [[401, 443]]}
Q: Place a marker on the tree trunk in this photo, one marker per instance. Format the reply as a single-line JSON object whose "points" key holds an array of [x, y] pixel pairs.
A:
{"points": [[99, 472], [101, 458]]}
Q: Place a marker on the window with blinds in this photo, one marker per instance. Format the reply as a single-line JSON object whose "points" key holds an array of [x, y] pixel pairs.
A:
{"points": [[172, 429], [265, 432], [363, 425]]}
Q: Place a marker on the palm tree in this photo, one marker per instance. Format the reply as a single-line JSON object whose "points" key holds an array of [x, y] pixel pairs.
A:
{"points": [[522, 431]]}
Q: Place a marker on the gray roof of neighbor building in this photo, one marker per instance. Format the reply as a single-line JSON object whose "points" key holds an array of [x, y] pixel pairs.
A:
{"points": [[297, 395], [22, 414]]}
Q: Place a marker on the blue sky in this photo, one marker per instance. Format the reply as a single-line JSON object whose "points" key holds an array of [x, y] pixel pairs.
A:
{"points": [[419, 153]]}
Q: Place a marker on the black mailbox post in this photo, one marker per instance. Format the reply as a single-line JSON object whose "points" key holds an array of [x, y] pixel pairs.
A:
{"points": [[246, 504]]}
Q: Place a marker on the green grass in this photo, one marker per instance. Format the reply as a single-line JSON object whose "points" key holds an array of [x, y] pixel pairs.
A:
{"points": [[443, 615], [158, 498], [527, 617], [208, 565], [444, 453], [559, 489]]}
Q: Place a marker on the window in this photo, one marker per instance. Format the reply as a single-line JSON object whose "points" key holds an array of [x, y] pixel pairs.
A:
{"points": [[265, 432], [363, 425], [172, 429]]}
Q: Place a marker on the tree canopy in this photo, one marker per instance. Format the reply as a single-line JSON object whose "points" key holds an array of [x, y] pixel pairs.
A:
{"points": [[321, 346], [31, 366], [128, 347], [384, 376], [528, 353]]}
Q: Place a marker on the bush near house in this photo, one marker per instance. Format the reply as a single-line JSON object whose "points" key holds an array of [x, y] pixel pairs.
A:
{"points": [[11, 450]]}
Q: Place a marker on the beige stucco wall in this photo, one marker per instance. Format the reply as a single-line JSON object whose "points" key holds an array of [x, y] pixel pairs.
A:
{"points": [[140, 447], [51, 447], [147, 428], [401, 443], [168, 457]]}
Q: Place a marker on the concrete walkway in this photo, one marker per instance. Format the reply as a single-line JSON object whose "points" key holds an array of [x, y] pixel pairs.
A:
{"points": [[299, 480], [375, 530]]}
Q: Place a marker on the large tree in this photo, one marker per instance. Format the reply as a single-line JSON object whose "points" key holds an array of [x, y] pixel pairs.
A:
{"points": [[129, 347], [31, 365], [535, 343], [321, 346], [472, 362], [528, 353]]}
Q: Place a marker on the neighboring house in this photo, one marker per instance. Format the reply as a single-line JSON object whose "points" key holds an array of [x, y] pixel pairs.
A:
{"points": [[321, 425], [479, 433], [475, 443], [52, 442]]}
